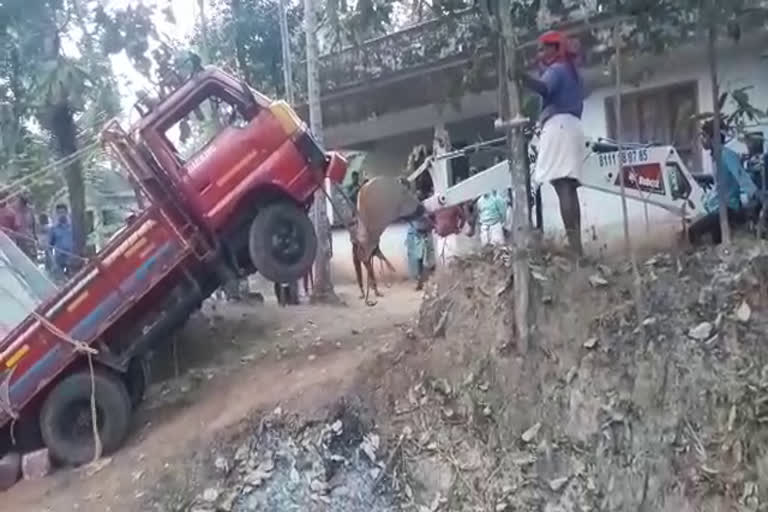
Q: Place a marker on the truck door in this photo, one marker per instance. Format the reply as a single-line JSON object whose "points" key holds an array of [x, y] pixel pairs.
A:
{"points": [[215, 140]]}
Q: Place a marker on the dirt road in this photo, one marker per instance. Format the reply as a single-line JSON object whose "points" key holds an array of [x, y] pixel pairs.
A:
{"points": [[232, 361]]}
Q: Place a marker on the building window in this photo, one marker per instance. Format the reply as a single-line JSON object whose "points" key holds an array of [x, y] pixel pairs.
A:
{"points": [[662, 115]]}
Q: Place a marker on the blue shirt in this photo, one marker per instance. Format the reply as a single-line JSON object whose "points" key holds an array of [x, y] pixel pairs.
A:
{"points": [[755, 165], [492, 209], [60, 239], [563, 91], [736, 181]]}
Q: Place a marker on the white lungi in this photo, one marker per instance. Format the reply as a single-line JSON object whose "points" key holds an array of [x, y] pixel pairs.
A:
{"points": [[448, 247], [561, 149], [491, 234]]}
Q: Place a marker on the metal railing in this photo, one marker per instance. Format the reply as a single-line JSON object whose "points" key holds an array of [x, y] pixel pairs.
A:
{"points": [[428, 43]]}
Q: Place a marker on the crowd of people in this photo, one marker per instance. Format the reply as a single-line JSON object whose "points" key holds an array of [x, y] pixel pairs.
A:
{"points": [[41, 241], [486, 221]]}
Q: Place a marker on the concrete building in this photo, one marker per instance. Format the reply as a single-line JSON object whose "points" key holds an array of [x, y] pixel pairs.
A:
{"points": [[387, 100]]}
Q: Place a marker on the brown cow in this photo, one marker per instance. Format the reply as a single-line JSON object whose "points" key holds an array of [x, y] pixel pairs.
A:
{"points": [[358, 255], [380, 202]]}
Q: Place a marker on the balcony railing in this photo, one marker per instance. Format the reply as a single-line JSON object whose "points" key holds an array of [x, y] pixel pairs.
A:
{"points": [[422, 45], [430, 44], [440, 46]]}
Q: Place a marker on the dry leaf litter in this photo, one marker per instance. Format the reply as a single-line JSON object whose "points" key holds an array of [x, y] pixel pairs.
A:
{"points": [[606, 412]]}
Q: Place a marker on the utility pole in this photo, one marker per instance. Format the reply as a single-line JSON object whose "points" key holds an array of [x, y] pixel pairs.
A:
{"points": [[323, 289], [513, 123], [286, 47]]}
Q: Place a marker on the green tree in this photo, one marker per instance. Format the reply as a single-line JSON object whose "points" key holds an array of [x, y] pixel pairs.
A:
{"points": [[350, 25], [244, 35], [73, 87]]}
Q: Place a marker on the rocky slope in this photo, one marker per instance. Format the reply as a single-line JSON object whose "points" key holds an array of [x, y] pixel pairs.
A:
{"points": [[607, 411]]}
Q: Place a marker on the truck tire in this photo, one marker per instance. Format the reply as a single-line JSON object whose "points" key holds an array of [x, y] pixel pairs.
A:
{"points": [[65, 418], [137, 379], [10, 470], [282, 242]]}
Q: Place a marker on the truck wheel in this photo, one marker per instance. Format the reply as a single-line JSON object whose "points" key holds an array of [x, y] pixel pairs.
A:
{"points": [[137, 379], [65, 418], [10, 470], [282, 242]]}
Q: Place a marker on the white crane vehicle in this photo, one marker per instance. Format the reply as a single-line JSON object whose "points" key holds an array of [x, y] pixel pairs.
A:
{"points": [[653, 174]]}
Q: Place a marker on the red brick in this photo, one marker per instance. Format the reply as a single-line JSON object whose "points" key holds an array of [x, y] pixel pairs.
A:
{"points": [[36, 465]]}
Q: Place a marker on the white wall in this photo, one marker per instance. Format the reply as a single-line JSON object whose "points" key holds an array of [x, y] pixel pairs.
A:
{"points": [[652, 226], [392, 245], [737, 69]]}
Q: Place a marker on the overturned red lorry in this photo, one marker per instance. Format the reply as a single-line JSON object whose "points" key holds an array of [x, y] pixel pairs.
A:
{"points": [[232, 203]]}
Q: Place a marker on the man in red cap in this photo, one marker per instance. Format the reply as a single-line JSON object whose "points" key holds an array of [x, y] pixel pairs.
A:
{"points": [[561, 145]]}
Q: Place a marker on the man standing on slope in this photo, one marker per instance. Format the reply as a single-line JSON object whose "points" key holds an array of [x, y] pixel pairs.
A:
{"points": [[491, 213], [561, 145], [740, 191]]}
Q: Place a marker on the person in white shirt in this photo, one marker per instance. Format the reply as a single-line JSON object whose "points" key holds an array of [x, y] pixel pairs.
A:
{"points": [[491, 214]]}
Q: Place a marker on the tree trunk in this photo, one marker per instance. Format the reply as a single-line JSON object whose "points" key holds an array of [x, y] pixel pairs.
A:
{"points": [[323, 289], [286, 47], [65, 133], [17, 107], [204, 32], [630, 252], [518, 168], [716, 140]]}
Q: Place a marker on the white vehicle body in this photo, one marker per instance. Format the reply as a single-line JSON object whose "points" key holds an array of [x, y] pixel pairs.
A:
{"points": [[655, 175], [23, 286]]}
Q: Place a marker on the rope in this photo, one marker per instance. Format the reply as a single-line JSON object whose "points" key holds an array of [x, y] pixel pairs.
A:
{"points": [[348, 222], [82, 347], [16, 187], [79, 346], [63, 162], [97, 446], [5, 399], [13, 233]]}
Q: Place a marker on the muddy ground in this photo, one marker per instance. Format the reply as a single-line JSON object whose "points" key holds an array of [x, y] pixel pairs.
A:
{"points": [[235, 362]]}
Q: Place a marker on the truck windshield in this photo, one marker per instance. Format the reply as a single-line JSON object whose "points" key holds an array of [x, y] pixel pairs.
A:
{"points": [[193, 132], [23, 286]]}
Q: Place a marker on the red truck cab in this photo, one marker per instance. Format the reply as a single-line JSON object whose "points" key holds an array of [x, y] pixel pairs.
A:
{"points": [[247, 154], [226, 177]]}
